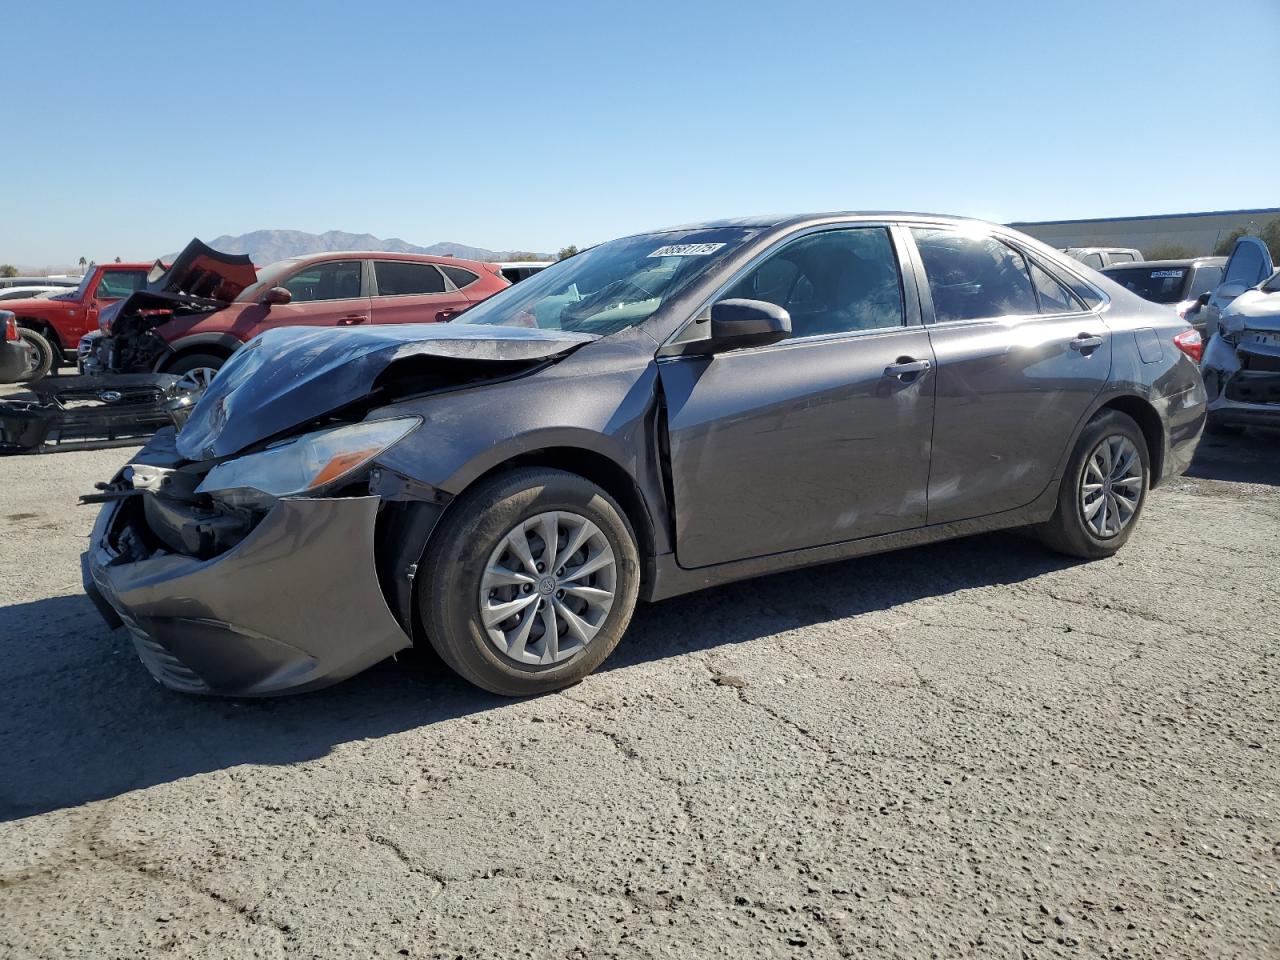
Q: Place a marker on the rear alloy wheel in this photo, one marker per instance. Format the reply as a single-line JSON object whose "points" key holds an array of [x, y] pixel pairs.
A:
{"points": [[529, 581], [1103, 490], [42, 357]]}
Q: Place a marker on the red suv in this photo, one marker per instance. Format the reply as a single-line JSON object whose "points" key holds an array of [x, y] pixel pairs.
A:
{"points": [[191, 317]]}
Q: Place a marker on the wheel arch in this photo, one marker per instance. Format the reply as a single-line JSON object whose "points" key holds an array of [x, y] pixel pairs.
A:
{"points": [[602, 470], [1144, 414], [44, 328], [185, 348]]}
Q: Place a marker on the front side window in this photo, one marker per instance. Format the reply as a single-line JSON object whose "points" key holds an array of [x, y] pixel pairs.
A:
{"points": [[611, 287], [399, 278], [1092, 260], [837, 281], [973, 276], [334, 280], [117, 284], [1121, 257]]}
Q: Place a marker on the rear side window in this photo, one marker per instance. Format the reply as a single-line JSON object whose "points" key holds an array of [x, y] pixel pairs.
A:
{"points": [[1054, 297], [120, 283], [334, 280], [460, 277], [398, 278], [974, 277], [1121, 257]]}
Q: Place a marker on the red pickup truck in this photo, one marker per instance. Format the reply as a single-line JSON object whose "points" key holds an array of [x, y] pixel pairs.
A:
{"points": [[54, 325]]}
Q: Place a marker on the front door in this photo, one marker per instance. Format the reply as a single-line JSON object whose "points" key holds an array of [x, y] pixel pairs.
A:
{"points": [[1249, 264], [414, 292], [113, 285], [327, 293], [818, 439], [1020, 359]]}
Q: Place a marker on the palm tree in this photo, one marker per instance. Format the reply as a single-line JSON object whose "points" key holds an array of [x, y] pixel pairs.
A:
{"points": [[83, 263]]}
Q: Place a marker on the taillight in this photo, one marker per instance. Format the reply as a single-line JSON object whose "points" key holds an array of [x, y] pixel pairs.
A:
{"points": [[11, 328], [1190, 343]]}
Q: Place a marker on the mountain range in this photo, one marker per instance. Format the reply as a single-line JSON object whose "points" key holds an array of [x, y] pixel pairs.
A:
{"points": [[268, 246]]}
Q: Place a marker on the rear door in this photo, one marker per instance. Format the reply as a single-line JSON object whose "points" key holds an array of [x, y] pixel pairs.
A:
{"points": [[407, 291], [818, 439], [1020, 359], [1249, 264]]}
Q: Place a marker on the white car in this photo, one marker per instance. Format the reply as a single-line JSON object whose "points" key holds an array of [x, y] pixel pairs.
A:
{"points": [[1241, 365], [22, 293], [56, 281], [517, 270]]}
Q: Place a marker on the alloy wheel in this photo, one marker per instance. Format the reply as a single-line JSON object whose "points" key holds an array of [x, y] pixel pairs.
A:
{"points": [[1111, 486], [197, 378], [547, 588]]}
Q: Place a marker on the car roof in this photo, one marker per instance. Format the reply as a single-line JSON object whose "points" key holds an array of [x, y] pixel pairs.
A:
{"points": [[1185, 262], [797, 219], [380, 255]]}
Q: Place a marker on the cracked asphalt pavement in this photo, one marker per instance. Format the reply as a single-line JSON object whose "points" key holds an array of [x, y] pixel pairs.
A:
{"points": [[971, 749]]}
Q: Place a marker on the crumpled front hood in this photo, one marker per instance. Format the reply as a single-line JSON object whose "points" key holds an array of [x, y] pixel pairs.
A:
{"points": [[1252, 310], [289, 376]]}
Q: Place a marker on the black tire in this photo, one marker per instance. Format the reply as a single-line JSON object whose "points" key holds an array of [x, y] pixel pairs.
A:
{"points": [[194, 361], [458, 551], [44, 350], [1066, 531]]}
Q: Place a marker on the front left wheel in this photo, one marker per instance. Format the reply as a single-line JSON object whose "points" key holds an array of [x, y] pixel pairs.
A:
{"points": [[529, 581]]}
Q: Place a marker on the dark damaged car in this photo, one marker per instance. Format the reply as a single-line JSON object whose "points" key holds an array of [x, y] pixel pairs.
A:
{"points": [[658, 414]]}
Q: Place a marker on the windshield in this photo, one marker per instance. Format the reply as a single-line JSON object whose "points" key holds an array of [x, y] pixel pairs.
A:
{"points": [[610, 287], [82, 290], [1158, 284]]}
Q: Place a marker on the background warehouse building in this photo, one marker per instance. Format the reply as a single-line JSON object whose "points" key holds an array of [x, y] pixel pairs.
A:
{"points": [[1198, 233]]}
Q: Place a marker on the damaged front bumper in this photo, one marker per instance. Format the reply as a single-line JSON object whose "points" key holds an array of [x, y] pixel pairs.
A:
{"points": [[94, 413], [1242, 379], [294, 606]]}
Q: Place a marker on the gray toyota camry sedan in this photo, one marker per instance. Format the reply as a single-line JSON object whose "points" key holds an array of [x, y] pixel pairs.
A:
{"points": [[661, 413]]}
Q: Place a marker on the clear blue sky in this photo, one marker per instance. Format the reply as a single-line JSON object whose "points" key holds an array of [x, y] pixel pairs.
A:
{"points": [[136, 126]]}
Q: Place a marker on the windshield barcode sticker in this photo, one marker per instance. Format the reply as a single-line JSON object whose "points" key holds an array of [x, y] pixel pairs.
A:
{"points": [[687, 250], [1161, 274]]}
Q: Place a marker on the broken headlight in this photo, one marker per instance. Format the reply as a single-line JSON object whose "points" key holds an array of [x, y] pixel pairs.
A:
{"points": [[305, 465]]}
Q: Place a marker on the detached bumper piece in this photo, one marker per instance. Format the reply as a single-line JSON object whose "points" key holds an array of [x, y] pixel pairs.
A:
{"points": [[93, 412], [294, 606]]}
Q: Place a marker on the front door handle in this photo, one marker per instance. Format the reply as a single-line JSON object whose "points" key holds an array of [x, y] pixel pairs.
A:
{"points": [[907, 367], [1086, 343], [351, 319]]}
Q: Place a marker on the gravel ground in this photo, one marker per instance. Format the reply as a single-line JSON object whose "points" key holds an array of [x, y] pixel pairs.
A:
{"points": [[972, 749]]}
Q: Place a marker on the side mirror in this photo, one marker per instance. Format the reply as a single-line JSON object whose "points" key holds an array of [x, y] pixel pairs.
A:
{"points": [[746, 323], [276, 295], [1203, 299]]}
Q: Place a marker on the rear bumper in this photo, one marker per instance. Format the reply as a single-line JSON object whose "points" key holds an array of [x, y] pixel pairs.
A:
{"points": [[293, 607]]}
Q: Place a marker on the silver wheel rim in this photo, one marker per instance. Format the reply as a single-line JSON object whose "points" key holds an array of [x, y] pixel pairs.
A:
{"points": [[1111, 486], [547, 588], [198, 378]]}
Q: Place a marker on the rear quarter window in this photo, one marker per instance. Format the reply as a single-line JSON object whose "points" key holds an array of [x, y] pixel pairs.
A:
{"points": [[460, 276]]}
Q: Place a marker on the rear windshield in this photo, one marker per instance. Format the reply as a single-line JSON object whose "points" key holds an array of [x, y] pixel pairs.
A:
{"points": [[1158, 284], [610, 287]]}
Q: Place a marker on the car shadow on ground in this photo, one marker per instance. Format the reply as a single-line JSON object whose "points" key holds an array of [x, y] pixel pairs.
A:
{"points": [[1249, 457], [80, 720]]}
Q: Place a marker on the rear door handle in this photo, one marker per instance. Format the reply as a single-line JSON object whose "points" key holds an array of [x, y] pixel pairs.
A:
{"points": [[906, 367], [1086, 343], [352, 319]]}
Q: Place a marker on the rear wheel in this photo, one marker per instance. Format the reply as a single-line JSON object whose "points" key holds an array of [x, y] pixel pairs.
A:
{"points": [[42, 358], [1103, 490], [529, 581]]}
